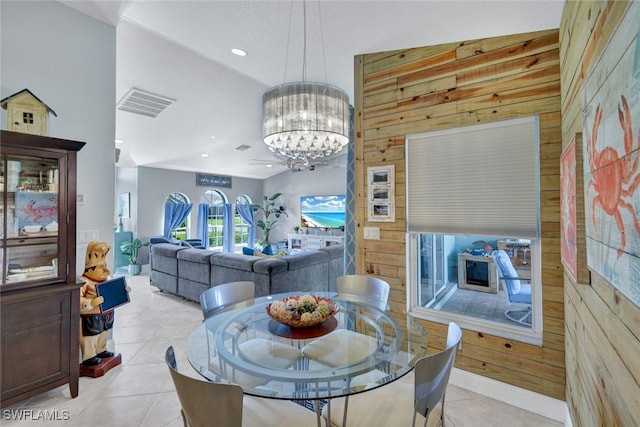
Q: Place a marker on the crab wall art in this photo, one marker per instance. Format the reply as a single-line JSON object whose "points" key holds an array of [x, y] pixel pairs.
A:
{"points": [[36, 208], [611, 149]]}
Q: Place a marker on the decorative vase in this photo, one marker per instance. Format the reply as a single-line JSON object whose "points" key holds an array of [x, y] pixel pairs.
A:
{"points": [[135, 269]]}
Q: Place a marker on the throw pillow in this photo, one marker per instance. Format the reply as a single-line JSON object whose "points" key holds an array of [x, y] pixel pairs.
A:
{"points": [[247, 251]]}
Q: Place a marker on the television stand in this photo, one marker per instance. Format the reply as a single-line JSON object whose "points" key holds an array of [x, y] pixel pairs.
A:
{"points": [[305, 242], [477, 273]]}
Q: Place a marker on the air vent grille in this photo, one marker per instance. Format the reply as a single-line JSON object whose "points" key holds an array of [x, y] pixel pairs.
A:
{"points": [[243, 147], [147, 104]]}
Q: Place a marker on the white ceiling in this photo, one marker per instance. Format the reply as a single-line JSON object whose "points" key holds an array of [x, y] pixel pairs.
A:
{"points": [[181, 50]]}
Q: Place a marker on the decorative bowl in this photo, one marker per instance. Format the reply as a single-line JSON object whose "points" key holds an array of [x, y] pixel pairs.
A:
{"points": [[32, 228], [304, 311]]}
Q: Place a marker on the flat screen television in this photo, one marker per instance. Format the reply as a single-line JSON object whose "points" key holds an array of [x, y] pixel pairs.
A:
{"points": [[322, 211]]}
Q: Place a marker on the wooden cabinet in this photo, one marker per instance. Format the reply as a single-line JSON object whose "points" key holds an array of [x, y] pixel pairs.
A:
{"points": [[39, 292]]}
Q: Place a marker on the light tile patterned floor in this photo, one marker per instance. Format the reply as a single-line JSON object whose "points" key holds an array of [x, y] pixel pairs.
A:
{"points": [[139, 392]]}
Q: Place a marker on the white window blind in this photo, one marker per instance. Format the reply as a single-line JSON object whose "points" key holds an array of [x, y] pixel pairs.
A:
{"points": [[475, 180]]}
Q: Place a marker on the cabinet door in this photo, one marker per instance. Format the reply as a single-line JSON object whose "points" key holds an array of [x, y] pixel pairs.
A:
{"points": [[30, 204], [36, 337]]}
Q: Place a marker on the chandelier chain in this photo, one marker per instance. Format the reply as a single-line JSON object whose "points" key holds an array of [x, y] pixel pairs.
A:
{"points": [[286, 58]]}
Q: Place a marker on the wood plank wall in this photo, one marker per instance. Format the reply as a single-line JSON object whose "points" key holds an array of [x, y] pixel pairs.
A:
{"points": [[602, 326], [436, 87]]}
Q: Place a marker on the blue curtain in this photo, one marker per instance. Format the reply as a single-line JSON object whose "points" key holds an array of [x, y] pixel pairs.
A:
{"points": [[227, 229], [246, 213], [174, 215], [203, 224]]}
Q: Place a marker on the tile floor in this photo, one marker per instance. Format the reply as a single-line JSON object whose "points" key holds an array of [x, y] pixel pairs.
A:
{"points": [[139, 392]]}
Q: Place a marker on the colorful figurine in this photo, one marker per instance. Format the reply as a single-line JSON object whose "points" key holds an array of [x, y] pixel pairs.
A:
{"points": [[95, 324]]}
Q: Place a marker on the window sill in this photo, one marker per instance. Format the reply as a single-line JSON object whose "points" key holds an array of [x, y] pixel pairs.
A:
{"points": [[515, 333]]}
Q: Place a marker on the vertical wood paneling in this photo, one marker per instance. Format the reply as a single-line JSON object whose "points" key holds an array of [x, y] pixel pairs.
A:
{"points": [[602, 327], [456, 84]]}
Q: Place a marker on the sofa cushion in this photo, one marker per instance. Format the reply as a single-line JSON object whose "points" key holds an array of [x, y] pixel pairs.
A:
{"points": [[336, 264], [237, 261], [195, 265], [163, 281], [269, 265], [190, 289], [304, 259], [164, 257]]}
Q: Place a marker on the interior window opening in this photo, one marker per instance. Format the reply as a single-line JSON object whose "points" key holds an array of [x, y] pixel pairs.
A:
{"points": [[463, 275]]}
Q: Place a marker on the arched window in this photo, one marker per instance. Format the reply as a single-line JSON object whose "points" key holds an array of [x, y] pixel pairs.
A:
{"points": [[181, 231], [216, 201], [241, 228]]}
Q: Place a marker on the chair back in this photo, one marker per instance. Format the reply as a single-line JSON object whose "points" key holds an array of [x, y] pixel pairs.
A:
{"points": [[507, 271], [432, 374], [217, 297], [204, 402], [367, 287]]}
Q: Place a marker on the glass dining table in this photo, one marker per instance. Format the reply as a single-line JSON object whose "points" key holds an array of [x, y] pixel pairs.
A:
{"points": [[365, 345]]}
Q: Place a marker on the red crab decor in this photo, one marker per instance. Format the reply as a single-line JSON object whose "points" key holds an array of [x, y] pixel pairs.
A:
{"points": [[615, 178], [33, 208]]}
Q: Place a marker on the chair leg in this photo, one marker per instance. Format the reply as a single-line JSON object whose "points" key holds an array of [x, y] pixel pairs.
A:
{"points": [[184, 418], [519, 319]]}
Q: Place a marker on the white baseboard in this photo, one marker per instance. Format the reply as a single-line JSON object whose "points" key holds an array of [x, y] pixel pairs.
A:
{"points": [[533, 402]]}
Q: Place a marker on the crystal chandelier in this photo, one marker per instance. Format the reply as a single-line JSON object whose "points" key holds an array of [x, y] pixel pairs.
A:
{"points": [[304, 121]]}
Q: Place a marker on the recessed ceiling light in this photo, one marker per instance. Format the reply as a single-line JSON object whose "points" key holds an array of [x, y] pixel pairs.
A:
{"points": [[269, 166], [204, 155], [239, 52], [119, 141], [212, 137]]}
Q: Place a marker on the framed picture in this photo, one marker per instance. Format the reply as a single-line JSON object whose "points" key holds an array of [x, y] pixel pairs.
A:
{"points": [[124, 204], [611, 114], [573, 247], [381, 193]]}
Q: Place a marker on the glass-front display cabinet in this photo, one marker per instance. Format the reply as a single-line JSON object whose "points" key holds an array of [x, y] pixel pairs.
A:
{"points": [[39, 293]]}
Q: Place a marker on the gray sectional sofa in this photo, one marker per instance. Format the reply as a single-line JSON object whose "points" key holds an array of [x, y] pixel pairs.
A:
{"points": [[188, 272]]}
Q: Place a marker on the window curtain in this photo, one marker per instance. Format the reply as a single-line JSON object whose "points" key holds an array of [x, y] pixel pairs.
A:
{"points": [[174, 215], [203, 224], [477, 180], [227, 229], [246, 213]]}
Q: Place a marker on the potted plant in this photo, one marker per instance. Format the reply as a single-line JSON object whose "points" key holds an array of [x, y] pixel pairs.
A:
{"points": [[271, 215], [131, 250]]}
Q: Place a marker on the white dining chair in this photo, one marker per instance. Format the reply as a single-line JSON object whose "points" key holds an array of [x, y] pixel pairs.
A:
{"points": [[219, 296], [259, 350], [418, 395], [204, 404], [364, 289]]}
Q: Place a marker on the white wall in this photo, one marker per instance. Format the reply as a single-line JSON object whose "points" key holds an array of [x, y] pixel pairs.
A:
{"points": [[320, 182], [68, 59]]}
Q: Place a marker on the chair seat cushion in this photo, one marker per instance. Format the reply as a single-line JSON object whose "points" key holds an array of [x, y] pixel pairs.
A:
{"points": [[388, 405], [341, 347], [522, 297], [258, 411], [262, 352]]}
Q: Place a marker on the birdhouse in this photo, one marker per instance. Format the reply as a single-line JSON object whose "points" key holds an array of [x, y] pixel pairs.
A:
{"points": [[26, 113]]}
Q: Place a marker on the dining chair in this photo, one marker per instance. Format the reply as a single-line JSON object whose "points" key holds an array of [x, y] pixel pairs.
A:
{"points": [[419, 394], [368, 287], [217, 297], [518, 293], [206, 404], [258, 350]]}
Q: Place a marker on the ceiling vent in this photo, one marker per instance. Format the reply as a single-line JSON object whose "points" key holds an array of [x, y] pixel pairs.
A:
{"points": [[144, 103], [243, 147]]}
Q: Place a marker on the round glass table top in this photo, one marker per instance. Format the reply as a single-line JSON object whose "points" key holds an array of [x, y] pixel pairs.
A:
{"points": [[366, 344]]}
